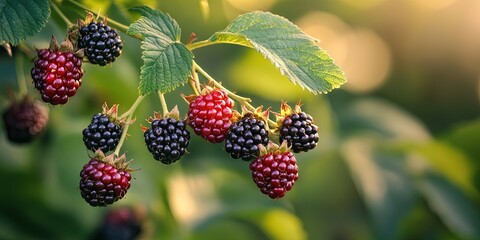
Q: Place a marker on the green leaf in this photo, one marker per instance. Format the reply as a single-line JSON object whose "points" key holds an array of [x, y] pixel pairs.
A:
{"points": [[293, 52], [22, 19], [452, 205], [274, 223], [383, 117], [167, 61], [382, 180]]}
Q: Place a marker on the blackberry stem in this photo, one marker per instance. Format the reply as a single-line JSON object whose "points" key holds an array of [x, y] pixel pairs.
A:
{"points": [[128, 113], [205, 43], [194, 81], [60, 13], [242, 100], [164, 103], [22, 86], [112, 22]]}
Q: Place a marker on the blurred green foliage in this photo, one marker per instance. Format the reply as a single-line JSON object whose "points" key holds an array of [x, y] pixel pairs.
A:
{"points": [[399, 160]]}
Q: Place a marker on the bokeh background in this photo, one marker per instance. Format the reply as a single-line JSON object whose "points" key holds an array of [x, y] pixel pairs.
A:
{"points": [[399, 149]]}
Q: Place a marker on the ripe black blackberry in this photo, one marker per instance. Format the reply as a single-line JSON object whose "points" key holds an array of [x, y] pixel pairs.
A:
{"points": [[101, 43], [25, 120], [167, 139], [104, 131], [244, 136], [298, 129]]}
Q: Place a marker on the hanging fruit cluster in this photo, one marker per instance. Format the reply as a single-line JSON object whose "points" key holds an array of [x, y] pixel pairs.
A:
{"points": [[215, 113]]}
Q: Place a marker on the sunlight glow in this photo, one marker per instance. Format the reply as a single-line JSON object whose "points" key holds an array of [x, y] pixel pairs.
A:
{"points": [[361, 53]]}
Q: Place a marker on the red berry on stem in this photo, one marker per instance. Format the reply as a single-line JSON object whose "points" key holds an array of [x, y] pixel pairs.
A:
{"points": [[210, 115], [275, 170], [57, 73], [104, 180]]}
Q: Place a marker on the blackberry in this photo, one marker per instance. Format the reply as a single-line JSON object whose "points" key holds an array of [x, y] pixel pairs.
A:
{"points": [[299, 132], [210, 115], [120, 224], [244, 136], [167, 139], [102, 133], [104, 180], [57, 73], [101, 43], [275, 170], [25, 120]]}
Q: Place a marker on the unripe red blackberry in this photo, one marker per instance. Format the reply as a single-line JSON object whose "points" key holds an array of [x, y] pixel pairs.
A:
{"points": [[275, 170], [167, 138], [297, 128], [101, 43], [104, 180], [57, 73], [245, 135], [210, 115], [25, 120]]}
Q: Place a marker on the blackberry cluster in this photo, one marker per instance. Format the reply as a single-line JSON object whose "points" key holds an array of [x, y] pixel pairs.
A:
{"points": [[275, 173], [102, 133], [57, 75], [244, 136], [25, 120], [102, 44], [102, 184], [167, 139], [299, 132]]}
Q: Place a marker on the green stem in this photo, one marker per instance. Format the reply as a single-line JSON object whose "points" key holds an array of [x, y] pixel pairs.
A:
{"points": [[241, 100], [30, 53], [193, 86], [22, 86], [112, 22], [195, 82], [128, 113], [207, 42], [164, 103], [60, 13]]}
